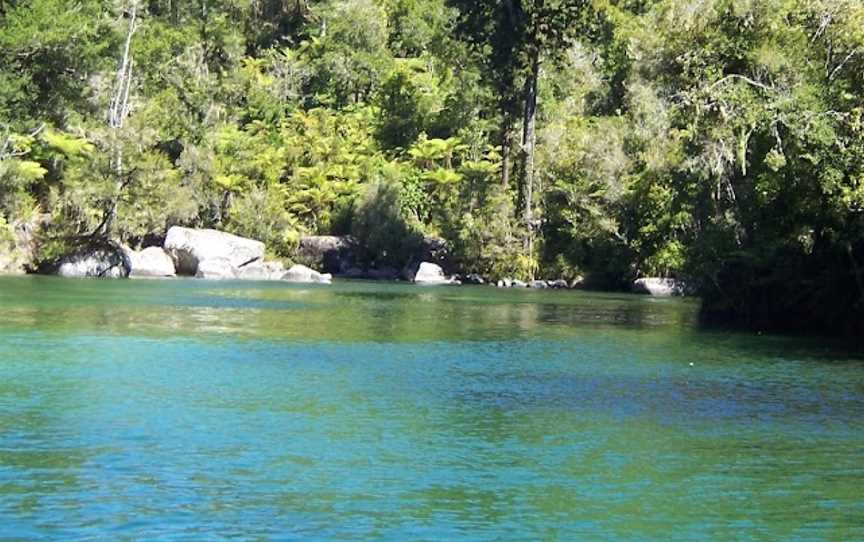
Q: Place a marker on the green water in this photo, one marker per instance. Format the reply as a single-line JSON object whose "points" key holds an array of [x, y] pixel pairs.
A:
{"points": [[191, 410]]}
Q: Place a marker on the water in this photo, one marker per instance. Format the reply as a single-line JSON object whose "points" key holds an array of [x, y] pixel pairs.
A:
{"points": [[184, 410]]}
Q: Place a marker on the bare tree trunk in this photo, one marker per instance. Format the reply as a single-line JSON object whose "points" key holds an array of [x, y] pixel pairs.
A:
{"points": [[506, 150], [529, 140], [118, 111]]}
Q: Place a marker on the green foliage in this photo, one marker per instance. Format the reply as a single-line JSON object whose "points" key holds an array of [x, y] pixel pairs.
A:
{"points": [[485, 236], [65, 144], [400, 119], [346, 53], [47, 53], [261, 214], [417, 26], [378, 221]]}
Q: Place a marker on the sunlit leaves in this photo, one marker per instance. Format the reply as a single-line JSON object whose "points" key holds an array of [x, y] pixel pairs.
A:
{"points": [[27, 170], [66, 144]]}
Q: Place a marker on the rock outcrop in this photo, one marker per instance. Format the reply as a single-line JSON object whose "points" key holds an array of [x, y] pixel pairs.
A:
{"points": [[188, 248], [659, 287], [330, 253], [204, 254]]}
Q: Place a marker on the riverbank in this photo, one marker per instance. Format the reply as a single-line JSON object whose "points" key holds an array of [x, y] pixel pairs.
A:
{"points": [[216, 255]]}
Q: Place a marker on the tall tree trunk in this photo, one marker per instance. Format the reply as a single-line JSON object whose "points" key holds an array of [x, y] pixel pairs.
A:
{"points": [[118, 111], [529, 139], [506, 149]]}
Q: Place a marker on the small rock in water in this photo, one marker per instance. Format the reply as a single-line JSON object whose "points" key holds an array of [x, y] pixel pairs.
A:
{"points": [[474, 278], [301, 273]]}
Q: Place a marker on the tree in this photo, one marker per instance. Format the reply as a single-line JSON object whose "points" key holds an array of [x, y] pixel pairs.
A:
{"points": [[118, 112], [47, 54], [519, 35]]}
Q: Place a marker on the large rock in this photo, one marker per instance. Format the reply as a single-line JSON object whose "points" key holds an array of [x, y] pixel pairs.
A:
{"points": [[332, 254], [189, 247], [216, 269], [659, 287], [301, 273], [431, 273], [261, 271], [152, 262], [102, 261]]}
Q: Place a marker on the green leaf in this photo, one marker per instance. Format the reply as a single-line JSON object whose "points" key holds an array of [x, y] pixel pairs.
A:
{"points": [[65, 144], [30, 171]]}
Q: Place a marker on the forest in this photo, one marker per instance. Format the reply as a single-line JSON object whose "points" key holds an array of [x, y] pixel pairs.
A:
{"points": [[720, 142]]}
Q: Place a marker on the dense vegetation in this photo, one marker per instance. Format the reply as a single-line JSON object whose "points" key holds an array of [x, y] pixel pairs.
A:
{"points": [[721, 141]]}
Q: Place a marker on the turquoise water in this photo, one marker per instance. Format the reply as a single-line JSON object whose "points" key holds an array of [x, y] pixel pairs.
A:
{"points": [[184, 410]]}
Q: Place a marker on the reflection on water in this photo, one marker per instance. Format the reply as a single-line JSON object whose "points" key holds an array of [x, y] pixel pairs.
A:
{"points": [[198, 410], [357, 312]]}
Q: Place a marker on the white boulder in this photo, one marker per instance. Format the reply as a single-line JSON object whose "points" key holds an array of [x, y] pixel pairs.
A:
{"points": [[259, 270], [431, 274], [188, 248], [659, 287], [301, 273], [216, 269], [152, 262]]}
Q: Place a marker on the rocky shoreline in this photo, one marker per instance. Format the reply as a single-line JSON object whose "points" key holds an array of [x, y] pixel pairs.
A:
{"points": [[214, 255]]}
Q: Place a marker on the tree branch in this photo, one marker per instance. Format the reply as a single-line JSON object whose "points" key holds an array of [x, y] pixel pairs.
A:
{"points": [[740, 78], [839, 67]]}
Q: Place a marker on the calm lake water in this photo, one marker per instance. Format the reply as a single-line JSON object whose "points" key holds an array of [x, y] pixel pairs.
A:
{"points": [[184, 410]]}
